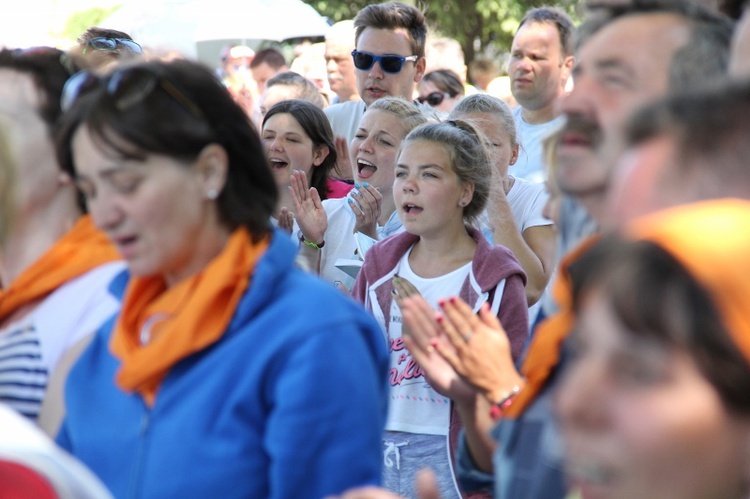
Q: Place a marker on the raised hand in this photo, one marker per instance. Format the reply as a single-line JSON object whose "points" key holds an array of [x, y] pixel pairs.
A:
{"points": [[343, 167], [311, 217], [286, 219], [421, 333], [480, 350], [365, 202]]}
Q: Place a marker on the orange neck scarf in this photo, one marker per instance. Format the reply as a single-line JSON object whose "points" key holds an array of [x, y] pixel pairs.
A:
{"points": [[81, 249], [544, 351], [179, 321]]}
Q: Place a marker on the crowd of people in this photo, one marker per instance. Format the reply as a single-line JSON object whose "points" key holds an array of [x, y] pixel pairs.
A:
{"points": [[391, 283]]}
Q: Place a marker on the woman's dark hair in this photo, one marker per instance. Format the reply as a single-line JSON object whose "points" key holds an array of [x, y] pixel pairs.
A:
{"points": [[654, 296], [315, 124], [184, 110], [446, 81]]}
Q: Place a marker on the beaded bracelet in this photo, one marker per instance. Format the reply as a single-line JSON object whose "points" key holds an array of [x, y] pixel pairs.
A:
{"points": [[498, 409], [310, 243]]}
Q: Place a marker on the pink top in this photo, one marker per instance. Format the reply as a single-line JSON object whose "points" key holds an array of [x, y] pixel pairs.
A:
{"points": [[338, 188]]}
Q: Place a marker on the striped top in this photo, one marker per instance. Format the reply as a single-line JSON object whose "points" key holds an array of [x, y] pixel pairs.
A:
{"points": [[31, 346], [23, 375]]}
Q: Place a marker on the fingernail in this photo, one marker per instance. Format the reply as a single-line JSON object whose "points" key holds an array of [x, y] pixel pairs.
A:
{"points": [[395, 280], [367, 185], [453, 300], [442, 302], [439, 318], [434, 343], [356, 184]]}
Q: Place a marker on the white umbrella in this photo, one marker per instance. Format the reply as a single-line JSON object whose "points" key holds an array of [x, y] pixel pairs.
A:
{"points": [[181, 24], [276, 20]]}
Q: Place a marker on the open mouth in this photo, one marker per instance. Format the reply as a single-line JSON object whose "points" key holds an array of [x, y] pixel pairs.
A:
{"points": [[412, 209], [576, 139], [278, 164], [365, 169], [125, 245]]}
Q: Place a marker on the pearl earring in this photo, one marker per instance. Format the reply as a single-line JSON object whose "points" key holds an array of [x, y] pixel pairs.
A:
{"points": [[212, 194]]}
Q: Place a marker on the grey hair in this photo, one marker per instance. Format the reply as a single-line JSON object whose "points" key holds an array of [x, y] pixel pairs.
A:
{"points": [[485, 103], [306, 90]]}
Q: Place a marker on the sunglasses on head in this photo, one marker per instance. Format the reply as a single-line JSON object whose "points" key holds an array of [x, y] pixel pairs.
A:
{"points": [[108, 44], [433, 99], [388, 63], [127, 87]]}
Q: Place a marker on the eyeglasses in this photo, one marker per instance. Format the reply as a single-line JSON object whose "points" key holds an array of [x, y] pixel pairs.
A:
{"points": [[107, 44], [433, 99], [127, 87], [388, 63]]}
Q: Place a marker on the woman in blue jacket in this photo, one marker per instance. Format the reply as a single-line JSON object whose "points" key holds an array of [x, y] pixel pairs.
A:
{"points": [[228, 372]]}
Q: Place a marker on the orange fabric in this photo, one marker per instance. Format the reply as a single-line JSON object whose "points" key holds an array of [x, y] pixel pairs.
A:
{"points": [[711, 240], [544, 351], [81, 249], [183, 319]]}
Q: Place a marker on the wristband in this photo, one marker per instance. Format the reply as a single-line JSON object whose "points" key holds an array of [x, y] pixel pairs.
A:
{"points": [[310, 243], [498, 409]]}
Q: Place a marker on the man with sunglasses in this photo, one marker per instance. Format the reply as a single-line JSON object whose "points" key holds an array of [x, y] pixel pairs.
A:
{"points": [[388, 60], [103, 48]]}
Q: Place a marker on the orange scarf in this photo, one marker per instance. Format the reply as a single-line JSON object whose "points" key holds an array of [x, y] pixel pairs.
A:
{"points": [[180, 320], [81, 249], [544, 351]]}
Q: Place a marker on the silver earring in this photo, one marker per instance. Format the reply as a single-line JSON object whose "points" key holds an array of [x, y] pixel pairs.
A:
{"points": [[462, 204], [212, 194]]}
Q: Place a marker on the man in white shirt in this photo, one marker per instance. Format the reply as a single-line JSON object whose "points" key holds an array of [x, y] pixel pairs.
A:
{"points": [[541, 61]]}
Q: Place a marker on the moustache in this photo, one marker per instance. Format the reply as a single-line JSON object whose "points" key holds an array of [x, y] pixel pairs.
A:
{"points": [[584, 126]]}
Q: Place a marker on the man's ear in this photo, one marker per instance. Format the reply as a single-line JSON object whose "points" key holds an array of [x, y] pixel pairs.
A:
{"points": [[421, 66], [567, 68], [213, 167]]}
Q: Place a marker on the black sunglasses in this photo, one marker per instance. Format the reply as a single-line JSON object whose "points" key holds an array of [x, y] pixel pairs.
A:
{"points": [[388, 63], [108, 44], [433, 99], [127, 87]]}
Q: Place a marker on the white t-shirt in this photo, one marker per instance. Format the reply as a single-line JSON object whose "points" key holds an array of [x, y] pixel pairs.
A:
{"points": [[340, 241], [414, 406], [530, 163]]}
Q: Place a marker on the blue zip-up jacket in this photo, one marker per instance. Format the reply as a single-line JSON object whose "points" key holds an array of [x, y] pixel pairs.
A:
{"points": [[289, 403]]}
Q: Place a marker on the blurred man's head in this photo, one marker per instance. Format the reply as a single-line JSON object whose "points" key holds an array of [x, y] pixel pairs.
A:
{"points": [[445, 53], [339, 64], [266, 63], [686, 148], [632, 55], [389, 58], [102, 48]]}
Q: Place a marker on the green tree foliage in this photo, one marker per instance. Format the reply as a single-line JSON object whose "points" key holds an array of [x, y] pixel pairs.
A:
{"points": [[83, 20], [481, 26]]}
